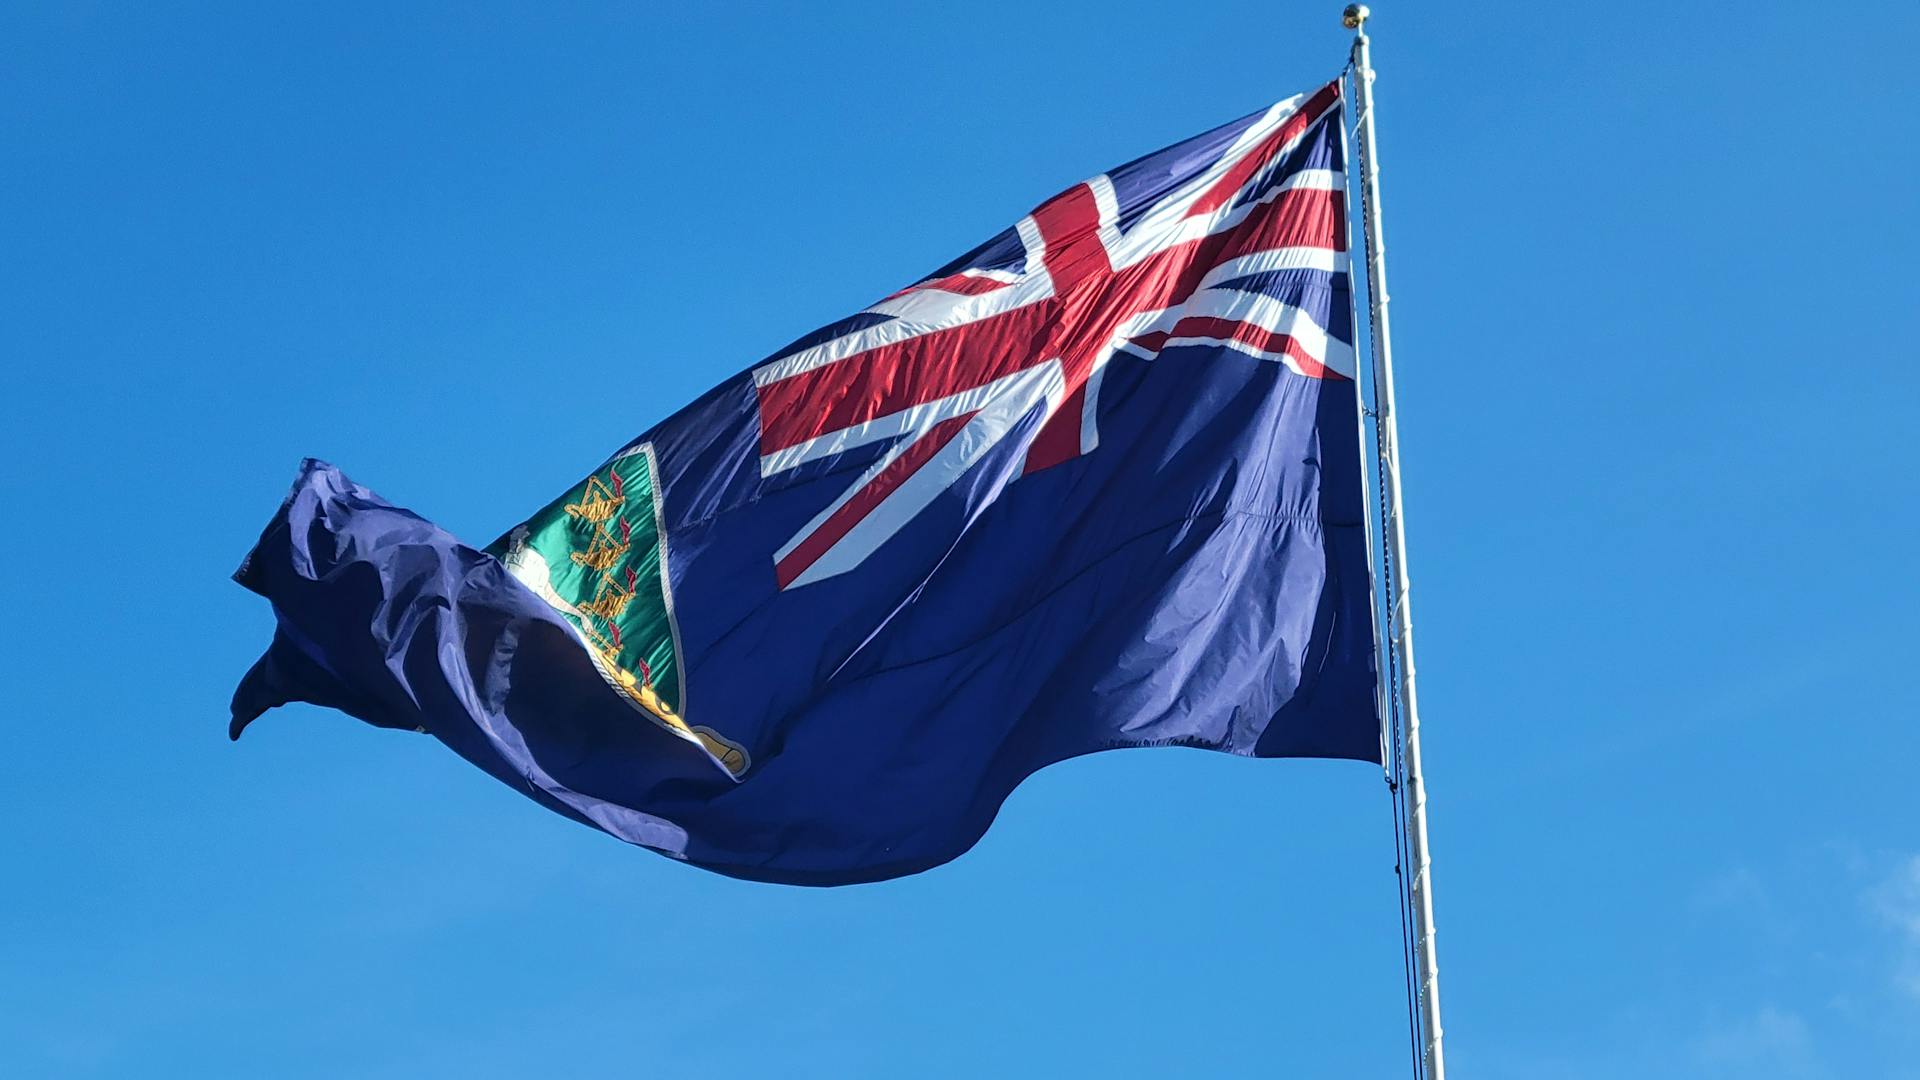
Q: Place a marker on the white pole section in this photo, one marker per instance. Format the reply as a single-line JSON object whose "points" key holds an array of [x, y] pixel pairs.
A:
{"points": [[1401, 615]]}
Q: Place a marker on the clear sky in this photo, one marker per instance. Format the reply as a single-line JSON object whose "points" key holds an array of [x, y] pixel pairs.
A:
{"points": [[1655, 318]]}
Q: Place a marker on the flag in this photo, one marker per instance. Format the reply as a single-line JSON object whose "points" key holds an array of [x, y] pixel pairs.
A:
{"points": [[1095, 484]]}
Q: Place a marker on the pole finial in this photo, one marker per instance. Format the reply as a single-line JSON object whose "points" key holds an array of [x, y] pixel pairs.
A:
{"points": [[1354, 16]]}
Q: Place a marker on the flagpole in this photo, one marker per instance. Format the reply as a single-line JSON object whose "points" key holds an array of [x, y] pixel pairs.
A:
{"points": [[1421, 888]]}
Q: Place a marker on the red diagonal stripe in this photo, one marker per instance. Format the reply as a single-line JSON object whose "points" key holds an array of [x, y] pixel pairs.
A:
{"points": [[1237, 176], [1299, 217], [842, 521], [1058, 439]]}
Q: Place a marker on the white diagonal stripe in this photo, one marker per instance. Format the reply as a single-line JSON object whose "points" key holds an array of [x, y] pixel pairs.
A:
{"points": [[1014, 395]]}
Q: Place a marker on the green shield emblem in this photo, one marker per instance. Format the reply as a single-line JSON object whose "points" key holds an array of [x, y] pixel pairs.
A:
{"points": [[598, 555]]}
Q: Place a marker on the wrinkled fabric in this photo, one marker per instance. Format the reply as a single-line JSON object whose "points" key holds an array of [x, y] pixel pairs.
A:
{"points": [[1160, 543]]}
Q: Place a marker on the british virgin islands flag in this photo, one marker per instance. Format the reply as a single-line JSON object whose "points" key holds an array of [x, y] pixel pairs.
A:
{"points": [[1094, 484]]}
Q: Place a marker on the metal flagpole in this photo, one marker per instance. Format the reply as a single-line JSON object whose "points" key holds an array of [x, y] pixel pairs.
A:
{"points": [[1401, 615]]}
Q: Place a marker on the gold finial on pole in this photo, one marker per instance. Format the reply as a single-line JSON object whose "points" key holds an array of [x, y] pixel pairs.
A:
{"points": [[1355, 15]]}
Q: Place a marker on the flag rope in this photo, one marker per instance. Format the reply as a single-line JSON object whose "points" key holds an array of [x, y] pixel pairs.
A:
{"points": [[1387, 701], [1401, 717]]}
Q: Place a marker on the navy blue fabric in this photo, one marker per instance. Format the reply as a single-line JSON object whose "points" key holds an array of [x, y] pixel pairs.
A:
{"points": [[1142, 181], [1198, 579], [1003, 252]]}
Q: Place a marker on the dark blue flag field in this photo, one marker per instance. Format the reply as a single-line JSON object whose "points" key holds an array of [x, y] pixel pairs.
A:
{"points": [[1095, 484]]}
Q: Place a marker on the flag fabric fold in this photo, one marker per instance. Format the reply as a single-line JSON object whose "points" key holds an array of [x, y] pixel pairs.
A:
{"points": [[1096, 484]]}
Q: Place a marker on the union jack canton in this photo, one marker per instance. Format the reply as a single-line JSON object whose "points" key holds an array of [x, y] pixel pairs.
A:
{"points": [[1193, 245]]}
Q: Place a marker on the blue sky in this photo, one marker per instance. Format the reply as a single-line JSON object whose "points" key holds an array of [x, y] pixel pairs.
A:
{"points": [[1655, 324]]}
